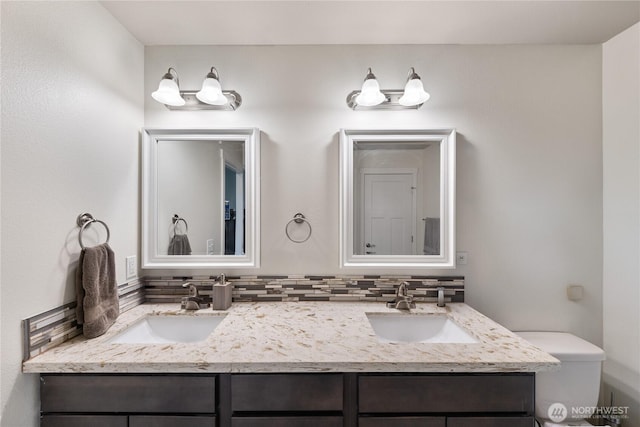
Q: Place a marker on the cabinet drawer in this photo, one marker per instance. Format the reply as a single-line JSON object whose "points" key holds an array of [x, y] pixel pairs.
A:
{"points": [[446, 393], [490, 422], [83, 421], [287, 422], [286, 392], [170, 421], [402, 422], [129, 394]]}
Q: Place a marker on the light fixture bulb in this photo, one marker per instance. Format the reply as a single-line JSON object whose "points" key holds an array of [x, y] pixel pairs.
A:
{"points": [[370, 94], [211, 92], [414, 93], [168, 90]]}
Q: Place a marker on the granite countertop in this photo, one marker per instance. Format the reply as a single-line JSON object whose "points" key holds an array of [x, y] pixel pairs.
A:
{"points": [[298, 337]]}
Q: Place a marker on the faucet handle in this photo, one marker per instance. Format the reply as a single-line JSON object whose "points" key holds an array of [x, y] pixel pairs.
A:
{"points": [[402, 289], [440, 290], [193, 291]]}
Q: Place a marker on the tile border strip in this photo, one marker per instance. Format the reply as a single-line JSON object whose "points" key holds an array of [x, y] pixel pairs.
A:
{"points": [[53, 327]]}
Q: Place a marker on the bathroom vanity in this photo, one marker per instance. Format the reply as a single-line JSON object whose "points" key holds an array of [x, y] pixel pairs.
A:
{"points": [[293, 364], [269, 400]]}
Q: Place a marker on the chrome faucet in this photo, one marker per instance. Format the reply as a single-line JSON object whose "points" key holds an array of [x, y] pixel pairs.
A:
{"points": [[403, 300], [193, 301]]}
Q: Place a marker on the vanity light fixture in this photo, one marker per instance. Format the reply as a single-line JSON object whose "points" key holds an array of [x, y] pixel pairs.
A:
{"points": [[371, 97], [168, 92], [370, 94], [209, 97], [211, 92], [414, 93]]}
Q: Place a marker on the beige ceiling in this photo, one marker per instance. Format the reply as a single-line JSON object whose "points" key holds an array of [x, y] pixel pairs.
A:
{"points": [[373, 22]]}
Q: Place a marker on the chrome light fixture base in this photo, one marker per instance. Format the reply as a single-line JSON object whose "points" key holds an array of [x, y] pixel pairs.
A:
{"points": [[193, 104], [390, 103]]}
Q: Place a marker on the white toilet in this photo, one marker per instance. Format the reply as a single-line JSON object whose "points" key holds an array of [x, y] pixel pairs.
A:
{"points": [[567, 396]]}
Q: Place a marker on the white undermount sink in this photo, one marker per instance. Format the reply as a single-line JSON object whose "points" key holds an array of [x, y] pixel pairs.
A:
{"points": [[168, 329], [417, 328]]}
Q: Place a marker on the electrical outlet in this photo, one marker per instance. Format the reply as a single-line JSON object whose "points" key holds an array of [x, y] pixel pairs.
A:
{"points": [[210, 247], [461, 258], [132, 267]]}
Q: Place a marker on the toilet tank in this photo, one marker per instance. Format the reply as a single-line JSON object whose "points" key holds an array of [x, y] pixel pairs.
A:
{"points": [[577, 383]]}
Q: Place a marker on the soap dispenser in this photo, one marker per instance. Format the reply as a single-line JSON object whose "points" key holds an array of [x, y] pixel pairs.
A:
{"points": [[222, 293]]}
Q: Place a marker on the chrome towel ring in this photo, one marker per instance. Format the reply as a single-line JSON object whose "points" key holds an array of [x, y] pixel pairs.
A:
{"points": [[84, 220], [298, 219]]}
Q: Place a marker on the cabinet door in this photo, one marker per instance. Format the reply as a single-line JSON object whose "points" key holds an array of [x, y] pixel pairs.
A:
{"points": [[446, 393], [286, 392], [307, 421], [402, 422], [490, 422], [170, 421], [83, 421], [127, 393]]}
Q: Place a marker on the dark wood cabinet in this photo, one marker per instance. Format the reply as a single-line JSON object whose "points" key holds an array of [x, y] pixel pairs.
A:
{"points": [[288, 400], [127, 393], [171, 421], [286, 392], [454, 393], [507, 400], [490, 422], [84, 421], [115, 400], [402, 421], [291, 421], [127, 421]]}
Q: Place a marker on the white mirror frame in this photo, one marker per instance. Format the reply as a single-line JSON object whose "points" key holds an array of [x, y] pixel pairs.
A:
{"points": [[446, 258], [150, 257]]}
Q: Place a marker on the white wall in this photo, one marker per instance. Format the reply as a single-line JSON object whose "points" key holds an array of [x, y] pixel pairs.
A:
{"points": [[621, 211], [72, 107], [529, 157]]}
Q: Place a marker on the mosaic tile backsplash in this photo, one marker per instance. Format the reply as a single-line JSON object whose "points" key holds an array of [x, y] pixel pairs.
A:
{"points": [[309, 288], [49, 329]]}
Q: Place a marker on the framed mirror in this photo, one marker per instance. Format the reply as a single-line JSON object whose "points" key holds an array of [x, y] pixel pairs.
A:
{"points": [[397, 198], [200, 198]]}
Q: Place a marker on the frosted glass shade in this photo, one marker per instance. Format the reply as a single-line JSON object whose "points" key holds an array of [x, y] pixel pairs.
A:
{"points": [[168, 93], [370, 94], [414, 93], [211, 92]]}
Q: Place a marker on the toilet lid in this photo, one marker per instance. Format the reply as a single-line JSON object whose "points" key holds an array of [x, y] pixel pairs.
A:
{"points": [[564, 346]]}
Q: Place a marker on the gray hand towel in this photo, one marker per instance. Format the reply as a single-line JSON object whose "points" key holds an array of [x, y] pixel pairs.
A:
{"points": [[431, 236], [179, 245], [96, 290]]}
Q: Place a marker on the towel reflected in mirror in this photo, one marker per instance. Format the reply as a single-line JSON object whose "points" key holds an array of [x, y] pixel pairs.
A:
{"points": [[179, 245], [431, 236]]}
